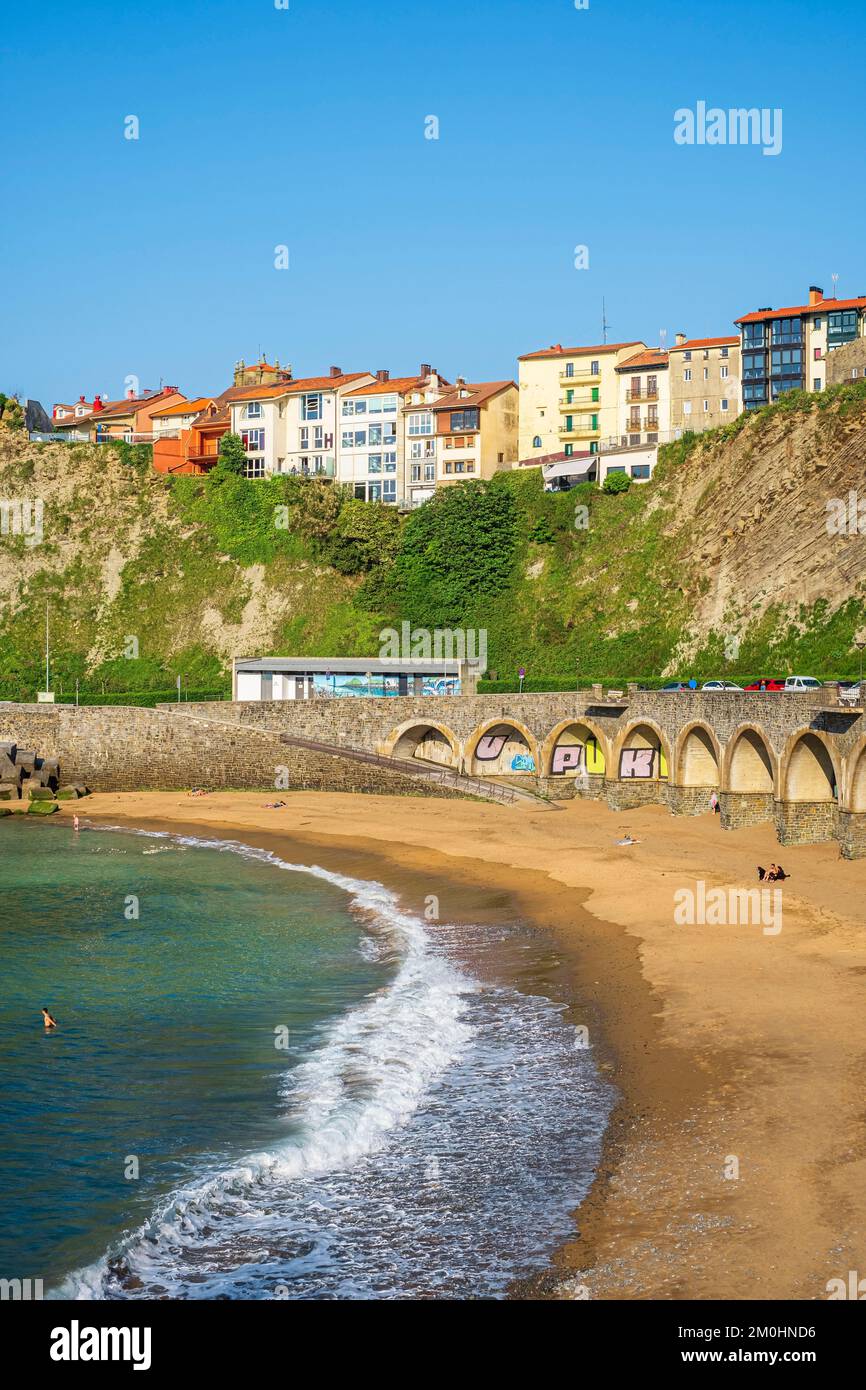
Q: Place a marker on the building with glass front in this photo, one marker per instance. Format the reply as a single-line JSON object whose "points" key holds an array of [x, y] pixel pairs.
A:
{"points": [[787, 349]]}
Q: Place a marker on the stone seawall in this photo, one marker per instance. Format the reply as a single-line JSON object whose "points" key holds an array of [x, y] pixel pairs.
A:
{"points": [[118, 748]]}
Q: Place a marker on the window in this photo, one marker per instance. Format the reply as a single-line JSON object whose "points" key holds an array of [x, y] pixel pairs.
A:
{"points": [[687, 374], [816, 354], [429, 472], [594, 395], [706, 373], [569, 369], [389, 490], [687, 407], [569, 450], [754, 365], [415, 475], [706, 353], [754, 335], [383, 405], [353, 439], [374, 463], [421, 423], [816, 323], [458, 467], [616, 468], [841, 327], [390, 462], [354, 407], [254, 410], [723, 352], [304, 437], [253, 440], [449, 467], [787, 331], [687, 356], [816, 383], [254, 468], [724, 403], [465, 419], [706, 407], [311, 406], [536, 443], [723, 372], [640, 470], [318, 437], [594, 369], [500, 458]]}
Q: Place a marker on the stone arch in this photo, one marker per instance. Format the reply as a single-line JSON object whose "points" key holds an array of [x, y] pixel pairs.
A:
{"points": [[855, 780], [809, 771], [576, 732], [507, 748], [641, 752], [425, 739], [697, 757], [749, 763]]}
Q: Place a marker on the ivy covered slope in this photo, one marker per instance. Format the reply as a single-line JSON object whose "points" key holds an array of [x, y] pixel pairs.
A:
{"points": [[731, 548]]}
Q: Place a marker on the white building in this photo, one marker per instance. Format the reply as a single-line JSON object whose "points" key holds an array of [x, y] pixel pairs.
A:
{"points": [[292, 427]]}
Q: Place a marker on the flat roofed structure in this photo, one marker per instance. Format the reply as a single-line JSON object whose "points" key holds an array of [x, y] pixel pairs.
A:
{"points": [[314, 677]]}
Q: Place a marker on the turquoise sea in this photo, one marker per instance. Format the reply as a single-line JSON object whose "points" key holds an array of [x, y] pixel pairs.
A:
{"points": [[270, 1081]]}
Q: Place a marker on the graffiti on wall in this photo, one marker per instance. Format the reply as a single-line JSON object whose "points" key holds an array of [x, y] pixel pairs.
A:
{"points": [[637, 762], [523, 762], [579, 758]]}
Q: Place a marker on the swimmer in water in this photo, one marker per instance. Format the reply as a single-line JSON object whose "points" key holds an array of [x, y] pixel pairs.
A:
{"points": [[75, 823], [48, 1020]]}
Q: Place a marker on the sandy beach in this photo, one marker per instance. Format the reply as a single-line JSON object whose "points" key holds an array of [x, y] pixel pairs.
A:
{"points": [[735, 1165]]}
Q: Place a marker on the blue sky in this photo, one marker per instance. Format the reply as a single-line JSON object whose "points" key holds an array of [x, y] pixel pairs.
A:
{"points": [[304, 127]]}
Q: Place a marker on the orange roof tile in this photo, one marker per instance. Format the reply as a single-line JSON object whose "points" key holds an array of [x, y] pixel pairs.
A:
{"points": [[479, 393], [400, 384], [288, 388], [693, 343], [184, 407], [559, 351], [652, 357], [824, 306]]}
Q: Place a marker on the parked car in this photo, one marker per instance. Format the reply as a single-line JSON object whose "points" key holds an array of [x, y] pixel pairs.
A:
{"points": [[674, 685], [720, 685], [767, 683], [803, 683]]}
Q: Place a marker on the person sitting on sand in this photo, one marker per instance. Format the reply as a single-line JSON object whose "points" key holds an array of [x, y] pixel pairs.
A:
{"points": [[628, 839], [48, 1020]]}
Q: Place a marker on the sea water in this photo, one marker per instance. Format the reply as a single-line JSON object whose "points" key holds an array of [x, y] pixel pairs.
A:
{"points": [[270, 1081]]}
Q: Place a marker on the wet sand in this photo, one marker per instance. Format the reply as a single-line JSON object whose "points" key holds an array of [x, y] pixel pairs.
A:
{"points": [[735, 1164]]}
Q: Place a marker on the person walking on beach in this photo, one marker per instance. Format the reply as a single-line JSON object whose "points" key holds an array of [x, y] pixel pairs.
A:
{"points": [[48, 1020]]}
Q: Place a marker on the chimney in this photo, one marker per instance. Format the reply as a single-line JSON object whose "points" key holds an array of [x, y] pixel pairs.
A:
{"points": [[170, 391], [81, 400], [460, 381], [680, 339], [382, 375], [97, 403], [426, 369], [130, 395], [336, 371], [815, 295]]}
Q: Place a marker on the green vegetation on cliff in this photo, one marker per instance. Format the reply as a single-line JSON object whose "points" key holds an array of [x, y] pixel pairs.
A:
{"points": [[722, 565]]}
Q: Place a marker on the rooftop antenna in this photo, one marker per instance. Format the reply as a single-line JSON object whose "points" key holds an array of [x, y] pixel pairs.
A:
{"points": [[604, 323], [835, 279]]}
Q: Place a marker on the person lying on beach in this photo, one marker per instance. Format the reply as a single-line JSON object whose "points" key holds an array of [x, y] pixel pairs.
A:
{"points": [[48, 1020], [628, 839], [273, 805], [198, 791], [774, 874]]}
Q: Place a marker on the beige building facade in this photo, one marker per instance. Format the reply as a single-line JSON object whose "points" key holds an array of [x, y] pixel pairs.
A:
{"points": [[476, 430], [705, 383], [569, 398]]}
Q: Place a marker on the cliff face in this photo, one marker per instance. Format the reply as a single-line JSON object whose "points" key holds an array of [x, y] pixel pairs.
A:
{"points": [[768, 523]]}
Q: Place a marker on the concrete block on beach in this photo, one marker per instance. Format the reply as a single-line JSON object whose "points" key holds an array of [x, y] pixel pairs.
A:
{"points": [[9, 791], [42, 808], [10, 749], [8, 771], [67, 794], [26, 759], [36, 792], [5, 811]]}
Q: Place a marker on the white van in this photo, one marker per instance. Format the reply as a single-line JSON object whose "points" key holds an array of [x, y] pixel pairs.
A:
{"points": [[803, 683]]}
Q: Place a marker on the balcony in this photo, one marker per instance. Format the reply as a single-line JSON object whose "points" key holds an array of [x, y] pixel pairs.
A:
{"points": [[581, 402], [642, 395], [581, 376], [579, 430]]}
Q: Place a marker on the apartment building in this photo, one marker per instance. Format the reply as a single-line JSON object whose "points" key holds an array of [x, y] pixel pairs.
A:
{"points": [[173, 418], [788, 349], [569, 398], [377, 456], [705, 385], [476, 430], [643, 399], [291, 427]]}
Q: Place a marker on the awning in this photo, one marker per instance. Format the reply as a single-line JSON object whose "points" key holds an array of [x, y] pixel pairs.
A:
{"points": [[571, 468]]}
